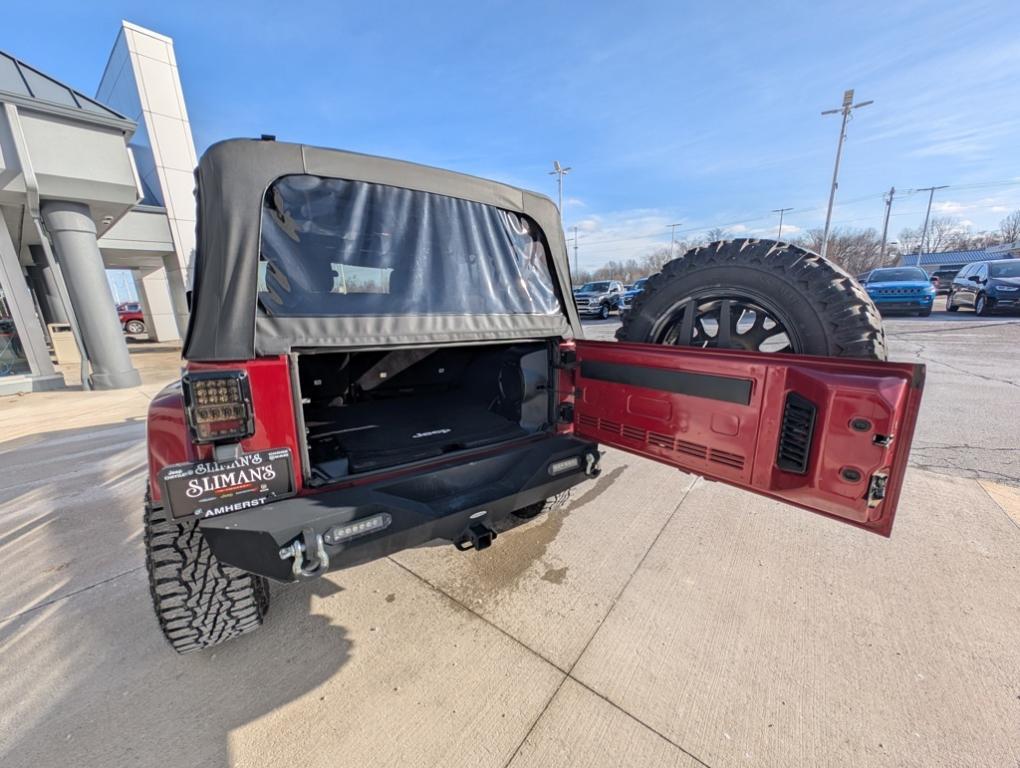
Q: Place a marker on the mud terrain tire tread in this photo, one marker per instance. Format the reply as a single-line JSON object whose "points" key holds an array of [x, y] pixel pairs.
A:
{"points": [[199, 601], [850, 324]]}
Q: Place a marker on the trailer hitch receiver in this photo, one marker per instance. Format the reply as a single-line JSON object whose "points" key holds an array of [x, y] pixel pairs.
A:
{"points": [[478, 536]]}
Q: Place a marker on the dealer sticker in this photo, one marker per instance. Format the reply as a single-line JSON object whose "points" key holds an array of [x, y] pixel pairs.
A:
{"points": [[210, 489]]}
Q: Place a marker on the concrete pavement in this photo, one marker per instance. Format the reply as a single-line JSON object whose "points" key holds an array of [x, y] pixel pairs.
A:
{"points": [[656, 620]]}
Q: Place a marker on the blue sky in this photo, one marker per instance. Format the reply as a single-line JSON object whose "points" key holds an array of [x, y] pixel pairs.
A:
{"points": [[700, 113]]}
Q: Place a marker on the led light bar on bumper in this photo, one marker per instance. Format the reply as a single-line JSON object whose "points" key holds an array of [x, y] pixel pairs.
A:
{"points": [[218, 404]]}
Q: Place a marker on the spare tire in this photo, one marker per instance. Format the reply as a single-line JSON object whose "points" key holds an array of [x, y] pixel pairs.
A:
{"points": [[760, 296]]}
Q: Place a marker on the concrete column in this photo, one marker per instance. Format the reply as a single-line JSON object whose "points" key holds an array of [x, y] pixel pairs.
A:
{"points": [[177, 282], [154, 296], [45, 284], [73, 234]]}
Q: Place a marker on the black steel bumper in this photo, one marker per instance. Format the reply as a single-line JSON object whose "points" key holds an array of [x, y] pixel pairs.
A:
{"points": [[439, 503]]}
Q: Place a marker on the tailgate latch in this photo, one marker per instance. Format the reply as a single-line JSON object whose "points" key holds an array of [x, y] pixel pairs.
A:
{"points": [[308, 546], [876, 489]]}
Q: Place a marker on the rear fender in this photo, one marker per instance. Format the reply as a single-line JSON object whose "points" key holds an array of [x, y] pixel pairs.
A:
{"points": [[169, 437]]}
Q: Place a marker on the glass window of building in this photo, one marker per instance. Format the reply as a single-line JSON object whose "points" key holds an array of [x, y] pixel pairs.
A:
{"points": [[12, 354]]}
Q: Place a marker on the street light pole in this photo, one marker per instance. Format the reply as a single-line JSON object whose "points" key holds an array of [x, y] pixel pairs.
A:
{"points": [[847, 108], [780, 211], [559, 172], [885, 225], [575, 251]]}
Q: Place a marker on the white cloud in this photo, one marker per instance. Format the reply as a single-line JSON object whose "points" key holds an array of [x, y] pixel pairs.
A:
{"points": [[951, 207], [620, 235], [574, 202]]}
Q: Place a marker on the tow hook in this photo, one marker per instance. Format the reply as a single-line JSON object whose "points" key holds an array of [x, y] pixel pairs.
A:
{"points": [[478, 536], [310, 545]]}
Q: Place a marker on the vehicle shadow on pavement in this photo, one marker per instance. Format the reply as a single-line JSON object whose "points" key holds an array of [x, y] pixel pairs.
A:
{"points": [[89, 681], [86, 676]]}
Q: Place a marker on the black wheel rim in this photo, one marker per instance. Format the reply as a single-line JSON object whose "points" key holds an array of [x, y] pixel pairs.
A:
{"points": [[741, 320]]}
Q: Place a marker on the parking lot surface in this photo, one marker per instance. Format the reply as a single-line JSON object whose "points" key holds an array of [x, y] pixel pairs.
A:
{"points": [[656, 620]]}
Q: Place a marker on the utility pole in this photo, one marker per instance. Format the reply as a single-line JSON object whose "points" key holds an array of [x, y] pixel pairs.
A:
{"points": [[927, 215], [847, 108], [559, 172], [885, 225], [780, 211], [575, 251], [672, 239]]}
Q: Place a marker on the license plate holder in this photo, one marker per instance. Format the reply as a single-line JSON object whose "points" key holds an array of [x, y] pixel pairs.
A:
{"points": [[210, 489]]}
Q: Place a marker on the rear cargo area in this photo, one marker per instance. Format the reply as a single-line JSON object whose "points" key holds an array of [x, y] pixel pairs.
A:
{"points": [[368, 411]]}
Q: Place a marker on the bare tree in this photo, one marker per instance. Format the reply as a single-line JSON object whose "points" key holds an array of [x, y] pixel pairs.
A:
{"points": [[944, 233], [856, 250], [910, 240], [717, 233], [1009, 227], [657, 259]]}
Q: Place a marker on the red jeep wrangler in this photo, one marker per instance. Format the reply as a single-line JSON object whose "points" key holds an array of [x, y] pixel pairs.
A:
{"points": [[382, 354]]}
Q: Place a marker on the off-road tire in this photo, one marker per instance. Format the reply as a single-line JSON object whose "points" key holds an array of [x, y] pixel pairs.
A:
{"points": [[950, 306], [199, 601], [834, 316], [548, 505]]}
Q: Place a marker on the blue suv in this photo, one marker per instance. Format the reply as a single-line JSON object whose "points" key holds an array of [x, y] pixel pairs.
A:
{"points": [[901, 289]]}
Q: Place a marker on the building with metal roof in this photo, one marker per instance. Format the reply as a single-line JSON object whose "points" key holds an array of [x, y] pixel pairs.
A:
{"points": [[27, 86], [933, 262], [88, 184]]}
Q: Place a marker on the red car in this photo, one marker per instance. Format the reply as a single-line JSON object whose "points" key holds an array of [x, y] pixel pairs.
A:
{"points": [[382, 354], [131, 318]]}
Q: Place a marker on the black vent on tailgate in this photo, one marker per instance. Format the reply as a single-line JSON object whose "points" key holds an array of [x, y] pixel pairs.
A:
{"points": [[795, 436]]}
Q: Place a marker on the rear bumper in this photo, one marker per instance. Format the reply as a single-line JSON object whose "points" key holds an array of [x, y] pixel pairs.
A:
{"points": [[440, 503]]}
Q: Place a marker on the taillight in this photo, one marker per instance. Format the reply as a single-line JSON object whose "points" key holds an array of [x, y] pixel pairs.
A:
{"points": [[218, 404]]}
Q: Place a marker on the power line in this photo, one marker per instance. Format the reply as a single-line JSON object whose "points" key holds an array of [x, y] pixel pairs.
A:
{"points": [[927, 213], [837, 222], [780, 211], [846, 110], [885, 225], [661, 232], [672, 239]]}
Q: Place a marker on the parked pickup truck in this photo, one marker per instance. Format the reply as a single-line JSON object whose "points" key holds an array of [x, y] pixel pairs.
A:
{"points": [[599, 298]]}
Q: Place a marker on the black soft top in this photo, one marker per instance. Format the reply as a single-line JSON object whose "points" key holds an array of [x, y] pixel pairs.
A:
{"points": [[233, 177]]}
